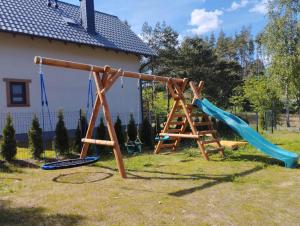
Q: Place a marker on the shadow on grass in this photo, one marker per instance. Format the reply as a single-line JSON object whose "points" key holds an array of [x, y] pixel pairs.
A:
{"points": [[24, 164], [253, 158], [8, 168], [10, 215], [215, 179], [82, 177]]}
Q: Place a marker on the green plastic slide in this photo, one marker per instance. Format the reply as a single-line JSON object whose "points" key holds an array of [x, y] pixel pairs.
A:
{"points": [[290, 159]]}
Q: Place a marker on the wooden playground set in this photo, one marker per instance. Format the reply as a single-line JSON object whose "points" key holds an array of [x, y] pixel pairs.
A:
{"points": [[176, 130]]}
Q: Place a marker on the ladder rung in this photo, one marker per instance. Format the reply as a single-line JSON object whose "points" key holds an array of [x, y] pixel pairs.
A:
{"points": [[206, 132], [215, 150], [210, 141], [179, 123], [180, 135], [202, 123], [173, 131], [98, 142]]}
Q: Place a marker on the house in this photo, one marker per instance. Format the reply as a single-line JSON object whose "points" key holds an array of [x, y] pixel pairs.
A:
{"points": [[60, 30]]}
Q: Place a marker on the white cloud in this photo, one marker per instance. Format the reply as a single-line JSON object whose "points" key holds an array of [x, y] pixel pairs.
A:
{"points": [[237, 5], [205, 21], [260, 7]]}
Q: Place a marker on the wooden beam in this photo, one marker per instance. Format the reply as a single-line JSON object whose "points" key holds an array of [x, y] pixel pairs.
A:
{"points": [[181, 135], [99, 69], [99, 142]]}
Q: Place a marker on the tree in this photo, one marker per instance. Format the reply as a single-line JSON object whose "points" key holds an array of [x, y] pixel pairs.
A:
{"points": [[35, 137], [197, 61], [61, 141], [9, 144], [101, 134], [146, 132], [244, 45], [131, 129], [280, 40], [164, 41], [80, 132], [120, 132], [262, 95]]}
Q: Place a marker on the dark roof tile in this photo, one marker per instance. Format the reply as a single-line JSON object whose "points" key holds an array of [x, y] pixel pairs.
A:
{"points": [[34, 17]]}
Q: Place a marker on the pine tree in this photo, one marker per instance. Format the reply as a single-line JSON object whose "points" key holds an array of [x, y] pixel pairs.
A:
{"points": [[80, 132], [77, 140], [146, 133], [9, 144], [101, 134], [61, 142], [120, 133], [35, 137], [131, 129]]}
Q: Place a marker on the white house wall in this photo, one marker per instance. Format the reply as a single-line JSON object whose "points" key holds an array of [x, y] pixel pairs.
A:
{"points": [[66, 89]]}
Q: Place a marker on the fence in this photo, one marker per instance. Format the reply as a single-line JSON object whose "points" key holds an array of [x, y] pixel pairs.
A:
{"points": [[22, 121]]}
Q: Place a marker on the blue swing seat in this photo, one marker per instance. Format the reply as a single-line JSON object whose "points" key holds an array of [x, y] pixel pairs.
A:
{"points": [[162, 138], [70, 163]]}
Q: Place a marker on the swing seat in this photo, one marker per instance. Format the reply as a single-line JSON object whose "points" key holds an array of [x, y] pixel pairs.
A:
{"points": [[70, 163], [162, 138], [134, 147]]}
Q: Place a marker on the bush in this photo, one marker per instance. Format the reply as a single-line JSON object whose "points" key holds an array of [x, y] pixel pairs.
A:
{"points": [[101, 134], [35, 137], [61, 141], [131, 129], [9, 144], [80, 132], [120, 133], [146, 133]]}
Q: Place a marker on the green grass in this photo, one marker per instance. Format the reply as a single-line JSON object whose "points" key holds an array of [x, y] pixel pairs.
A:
{"points": [[245, 188]]}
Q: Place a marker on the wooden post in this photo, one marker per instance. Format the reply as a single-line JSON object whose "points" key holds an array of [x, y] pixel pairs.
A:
{"points": [[110, 126], [91, 126]]}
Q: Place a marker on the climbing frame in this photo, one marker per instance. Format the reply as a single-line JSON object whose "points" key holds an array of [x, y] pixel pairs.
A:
{"points": [[189, 115]]}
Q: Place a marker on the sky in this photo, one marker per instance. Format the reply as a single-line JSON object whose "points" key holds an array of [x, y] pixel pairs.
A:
{"points": [[189, 17]]}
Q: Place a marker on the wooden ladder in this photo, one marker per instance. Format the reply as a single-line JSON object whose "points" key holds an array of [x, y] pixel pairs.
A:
{"points": [[176, 129], [207, 137]]}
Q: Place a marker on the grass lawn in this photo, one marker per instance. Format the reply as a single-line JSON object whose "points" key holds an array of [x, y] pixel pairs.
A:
{"points": [[245, 188]]}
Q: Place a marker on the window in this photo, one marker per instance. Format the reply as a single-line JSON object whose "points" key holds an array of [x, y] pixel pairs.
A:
{"points": [[17, 91]]}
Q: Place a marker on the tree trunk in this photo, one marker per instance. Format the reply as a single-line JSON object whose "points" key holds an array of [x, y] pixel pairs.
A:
{"points": [[287, 107]]}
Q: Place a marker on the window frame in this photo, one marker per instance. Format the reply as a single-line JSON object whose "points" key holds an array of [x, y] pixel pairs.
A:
{"points": [[9, 82]]}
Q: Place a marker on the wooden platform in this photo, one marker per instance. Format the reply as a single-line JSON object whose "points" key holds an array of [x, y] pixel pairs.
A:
{"points": [[233, 145]]}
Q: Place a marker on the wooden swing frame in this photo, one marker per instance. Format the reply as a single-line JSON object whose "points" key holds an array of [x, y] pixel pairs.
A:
{"points": [[105, 77]]}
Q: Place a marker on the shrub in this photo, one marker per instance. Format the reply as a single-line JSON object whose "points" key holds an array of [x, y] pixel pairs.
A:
{"points": [[80, 132], [77, 140], [146, 133], [120, 133], [35, 137], [61, 141], [9, 144], [101, 134], [131, 129]]}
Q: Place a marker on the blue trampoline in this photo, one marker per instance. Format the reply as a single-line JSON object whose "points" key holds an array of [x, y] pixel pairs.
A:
{"points": [[70, 163]]}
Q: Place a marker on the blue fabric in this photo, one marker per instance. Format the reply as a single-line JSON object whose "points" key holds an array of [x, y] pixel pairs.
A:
{"points": [[71, 163], [44, 103], [35, 19], [290, 159]]}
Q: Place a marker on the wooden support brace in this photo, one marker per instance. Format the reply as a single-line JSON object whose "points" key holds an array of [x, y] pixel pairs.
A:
{"points": [[181, 135], [98, 142]]}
